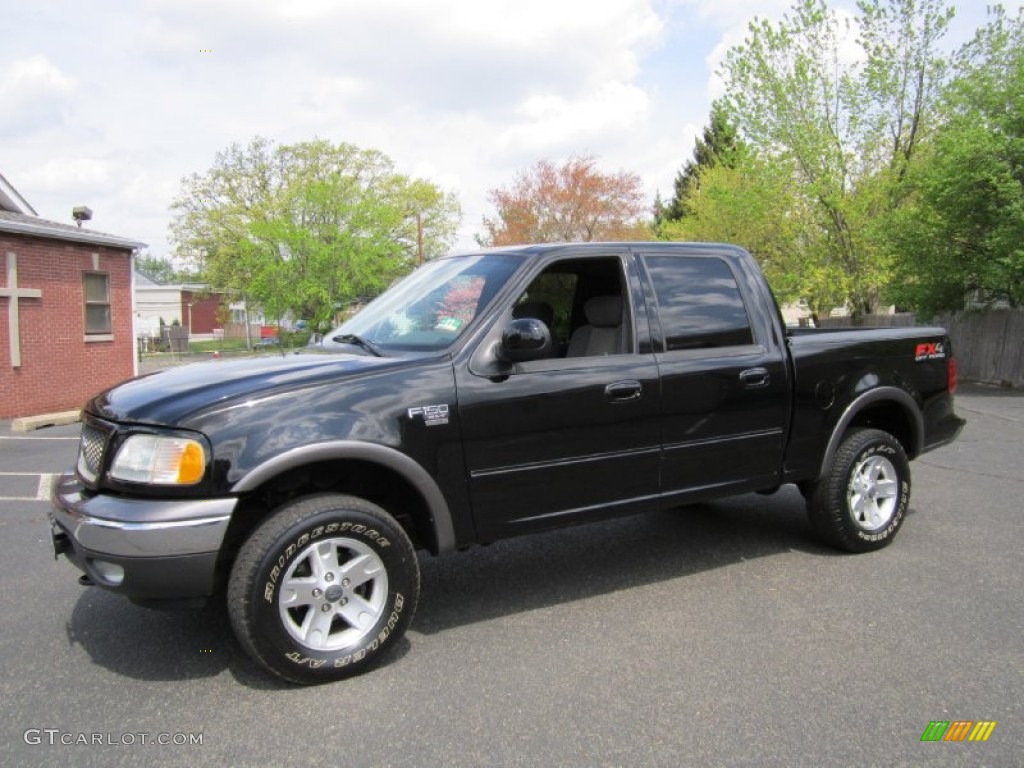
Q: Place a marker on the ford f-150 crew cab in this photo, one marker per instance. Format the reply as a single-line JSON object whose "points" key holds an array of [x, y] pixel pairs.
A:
{"points": [[487, 395]]}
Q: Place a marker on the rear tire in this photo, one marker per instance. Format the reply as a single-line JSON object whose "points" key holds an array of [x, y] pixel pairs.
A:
{"points": [[323, 589], [861, 502]]}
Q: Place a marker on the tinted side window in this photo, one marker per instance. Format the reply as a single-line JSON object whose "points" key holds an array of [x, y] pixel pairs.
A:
{"points": [[582, 302], [699, 303]]}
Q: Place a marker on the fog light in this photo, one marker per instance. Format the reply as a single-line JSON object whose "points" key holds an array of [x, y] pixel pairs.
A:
{"points": [[111, 574]]}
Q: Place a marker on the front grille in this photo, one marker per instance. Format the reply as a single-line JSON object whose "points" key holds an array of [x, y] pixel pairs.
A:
{"points": [[90, 452]]}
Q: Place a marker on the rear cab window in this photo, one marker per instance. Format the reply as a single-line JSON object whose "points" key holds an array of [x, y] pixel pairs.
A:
{"points": [[699, 304]]}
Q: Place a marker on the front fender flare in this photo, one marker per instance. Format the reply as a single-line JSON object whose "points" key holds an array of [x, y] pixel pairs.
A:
{"points": [[416, 475]]}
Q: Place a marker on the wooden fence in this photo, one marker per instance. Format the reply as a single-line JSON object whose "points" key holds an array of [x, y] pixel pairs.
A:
{"points": [[988, 345], [237, 331], [901, 320]]}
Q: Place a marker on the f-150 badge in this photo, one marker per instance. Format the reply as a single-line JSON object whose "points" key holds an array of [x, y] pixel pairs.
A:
{"points": [[433, 415]]}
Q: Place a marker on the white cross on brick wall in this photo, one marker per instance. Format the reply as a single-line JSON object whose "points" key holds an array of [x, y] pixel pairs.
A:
{"points": [[12, 292]]}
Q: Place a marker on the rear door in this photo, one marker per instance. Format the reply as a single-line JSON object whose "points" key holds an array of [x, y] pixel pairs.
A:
{"points": [[725, 392]]}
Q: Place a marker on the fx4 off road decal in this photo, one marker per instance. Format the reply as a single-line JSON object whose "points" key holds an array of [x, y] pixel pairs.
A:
{"points": [[432, 415], [933, 350]]}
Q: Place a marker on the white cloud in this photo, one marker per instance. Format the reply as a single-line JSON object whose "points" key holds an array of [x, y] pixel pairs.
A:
{"points": [[449, 54], [160, 37], [113, 107], [75, 172], [548, 121], [33, 73], [32, 92], [326, 94], [735, 14]]}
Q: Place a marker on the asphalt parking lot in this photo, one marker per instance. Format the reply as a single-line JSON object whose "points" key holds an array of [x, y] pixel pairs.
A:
{"points": [[713, 635]]}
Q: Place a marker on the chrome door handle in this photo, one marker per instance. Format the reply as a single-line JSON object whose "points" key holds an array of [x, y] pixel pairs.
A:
{"points": [[623, 391], [755, 378]]}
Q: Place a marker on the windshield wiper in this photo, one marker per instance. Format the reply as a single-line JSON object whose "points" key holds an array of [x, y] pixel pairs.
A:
{"points": [[359, 341]]}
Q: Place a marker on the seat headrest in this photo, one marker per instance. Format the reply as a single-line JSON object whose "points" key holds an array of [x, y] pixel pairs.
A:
{"points": [[538, 310], [604, 311]]}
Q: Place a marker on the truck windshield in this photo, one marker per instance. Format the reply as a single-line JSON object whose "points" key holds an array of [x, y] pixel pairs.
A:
{"points": [[430, 308]]}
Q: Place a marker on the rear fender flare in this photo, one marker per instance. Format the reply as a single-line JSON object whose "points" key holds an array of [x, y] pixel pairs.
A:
{"points": [[879, 395]]}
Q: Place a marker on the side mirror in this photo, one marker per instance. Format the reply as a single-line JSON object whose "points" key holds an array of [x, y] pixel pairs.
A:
{"points": [[524, 339]]}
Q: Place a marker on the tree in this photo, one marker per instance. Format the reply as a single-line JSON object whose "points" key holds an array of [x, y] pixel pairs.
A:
{"points": [[162, 270], [756, 203], [304, 227], [718, 145], [845, 128], [572, 202], [963, 229]]}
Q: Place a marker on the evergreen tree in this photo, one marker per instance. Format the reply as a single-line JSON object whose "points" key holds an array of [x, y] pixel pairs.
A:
{"points": [[717, 146]]}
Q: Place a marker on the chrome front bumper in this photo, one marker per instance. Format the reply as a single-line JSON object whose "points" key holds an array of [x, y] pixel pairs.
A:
{"points": [[168, 549]]}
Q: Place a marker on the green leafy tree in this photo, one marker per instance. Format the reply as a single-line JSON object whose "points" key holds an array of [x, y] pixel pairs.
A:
{"points": [[962, 232], [902, 79], [162, 270], [756, 203], [302, 228], [843, 127], [717, 145]]}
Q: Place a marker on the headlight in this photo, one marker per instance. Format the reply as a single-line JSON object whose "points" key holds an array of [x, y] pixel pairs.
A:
{"points": [[160, 459]]}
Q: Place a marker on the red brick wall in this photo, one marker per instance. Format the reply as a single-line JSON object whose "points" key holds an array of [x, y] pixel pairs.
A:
{"points": [[204, 311], [59, 370]]}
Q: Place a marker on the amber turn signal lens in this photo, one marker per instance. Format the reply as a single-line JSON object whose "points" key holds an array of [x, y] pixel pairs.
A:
{"points": [[191, 464]]}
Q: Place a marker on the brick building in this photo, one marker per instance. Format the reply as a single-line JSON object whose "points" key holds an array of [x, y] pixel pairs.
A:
{"points": [[66, 315]]}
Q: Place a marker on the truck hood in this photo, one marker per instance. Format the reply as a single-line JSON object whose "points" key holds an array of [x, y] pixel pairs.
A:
{"points": [[167, 397]]}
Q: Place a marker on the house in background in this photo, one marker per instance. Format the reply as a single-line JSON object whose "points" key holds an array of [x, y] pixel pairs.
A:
{"points": [[66, 315], [796, 314], [192, 305]]}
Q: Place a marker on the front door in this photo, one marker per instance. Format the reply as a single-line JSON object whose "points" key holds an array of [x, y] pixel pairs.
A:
{"points": [[574, 436]]}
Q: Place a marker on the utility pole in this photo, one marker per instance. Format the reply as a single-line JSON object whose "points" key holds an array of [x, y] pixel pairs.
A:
{"points": [[419, 236]]}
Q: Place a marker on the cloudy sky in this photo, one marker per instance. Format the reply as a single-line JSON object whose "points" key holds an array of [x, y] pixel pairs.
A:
{"points": [[109, 104]]}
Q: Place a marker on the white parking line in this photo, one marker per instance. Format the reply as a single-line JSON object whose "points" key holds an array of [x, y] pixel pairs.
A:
{"points": [[42, 489], [19, 437]]}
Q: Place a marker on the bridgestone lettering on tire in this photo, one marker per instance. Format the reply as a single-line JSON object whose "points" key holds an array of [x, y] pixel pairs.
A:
{"points": [[861, 502], [323, 588]]}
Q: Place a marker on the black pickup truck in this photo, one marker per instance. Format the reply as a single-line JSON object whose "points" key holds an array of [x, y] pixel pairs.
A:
{"points": [[487, 395]]}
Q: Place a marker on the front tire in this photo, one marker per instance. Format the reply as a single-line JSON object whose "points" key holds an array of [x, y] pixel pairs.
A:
{"points": [[323, 589], [862, 501]]}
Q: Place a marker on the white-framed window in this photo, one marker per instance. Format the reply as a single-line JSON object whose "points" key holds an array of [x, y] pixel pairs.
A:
{"points": [[96, 289]]}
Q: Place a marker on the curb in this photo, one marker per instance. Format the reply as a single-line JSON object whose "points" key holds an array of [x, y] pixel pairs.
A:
{"points": [[29, 423]]}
